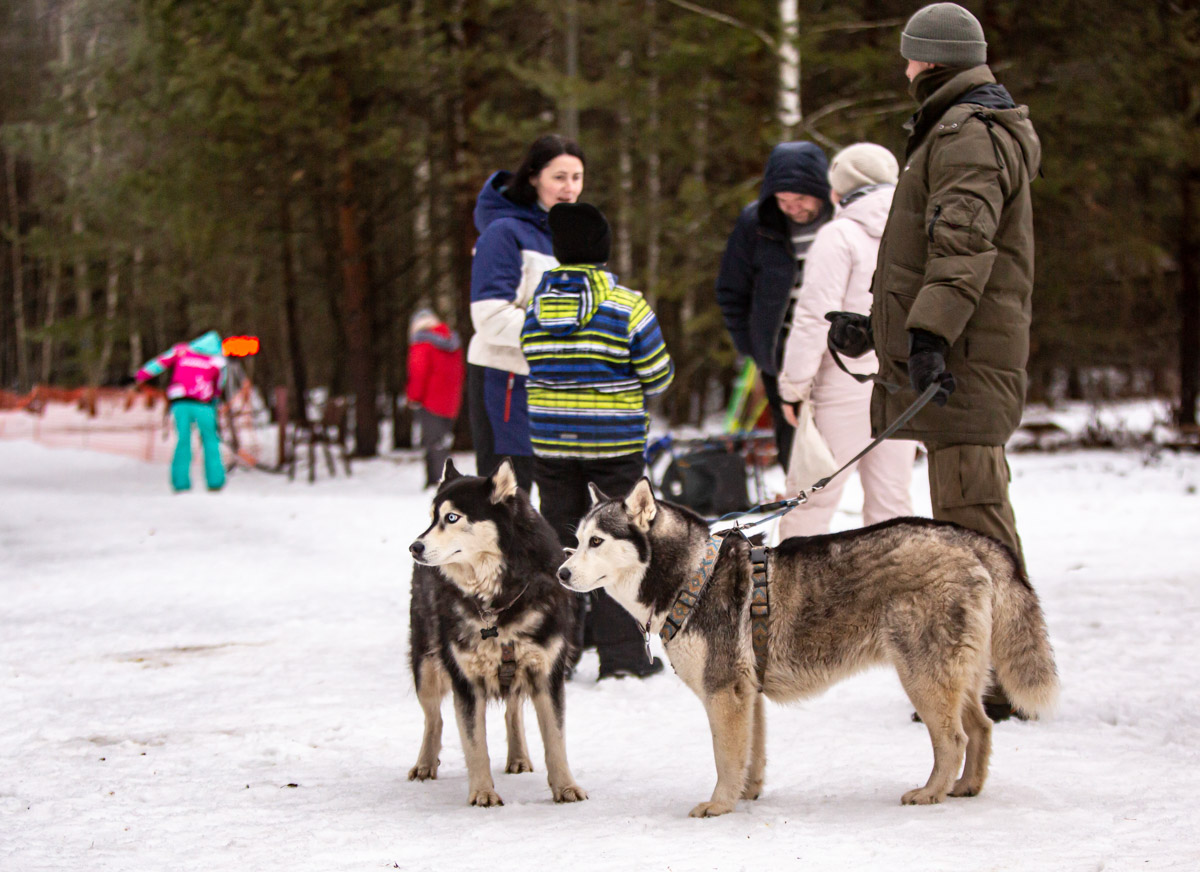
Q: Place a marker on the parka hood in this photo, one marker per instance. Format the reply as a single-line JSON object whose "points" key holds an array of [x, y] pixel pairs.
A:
{"points": [[869, 209], [569, 296], [209, 343], [440, 336], [491, 205], [1016, 122]]}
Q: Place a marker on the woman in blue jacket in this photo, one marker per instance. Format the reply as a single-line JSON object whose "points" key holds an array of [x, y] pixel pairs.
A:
{"points": [[511, 255]]}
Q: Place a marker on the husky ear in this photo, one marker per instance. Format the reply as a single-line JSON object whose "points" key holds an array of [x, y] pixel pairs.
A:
{"points": [[449, 473], [596, 493], [504, 482], [641, 505]]}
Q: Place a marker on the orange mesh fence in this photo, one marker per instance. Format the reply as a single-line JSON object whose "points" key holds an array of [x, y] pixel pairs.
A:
{"points": [[134, 423]]}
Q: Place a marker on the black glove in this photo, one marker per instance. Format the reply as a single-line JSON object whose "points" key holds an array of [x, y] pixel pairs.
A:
{"points": [[850, 333], [127, 381], [927, 364]]}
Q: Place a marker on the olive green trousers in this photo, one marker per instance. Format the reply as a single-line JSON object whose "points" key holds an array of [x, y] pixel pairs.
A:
{"points": [[968, 484]]}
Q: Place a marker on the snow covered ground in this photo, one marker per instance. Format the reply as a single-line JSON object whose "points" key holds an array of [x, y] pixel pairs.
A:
{"points": [[219, 682]]}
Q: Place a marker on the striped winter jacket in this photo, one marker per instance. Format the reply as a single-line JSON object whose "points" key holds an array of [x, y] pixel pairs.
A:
{"points": [[595, 353]]}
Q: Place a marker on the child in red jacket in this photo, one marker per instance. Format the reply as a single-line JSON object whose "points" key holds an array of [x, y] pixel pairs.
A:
{"points": [[436, 371]]}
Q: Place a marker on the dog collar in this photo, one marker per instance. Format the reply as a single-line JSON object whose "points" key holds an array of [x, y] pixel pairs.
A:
{"points": [[689, 594], [489, 615]]}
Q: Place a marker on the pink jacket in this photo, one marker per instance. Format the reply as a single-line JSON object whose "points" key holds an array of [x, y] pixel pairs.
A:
{"points": [[837, 277], [194, 376]]}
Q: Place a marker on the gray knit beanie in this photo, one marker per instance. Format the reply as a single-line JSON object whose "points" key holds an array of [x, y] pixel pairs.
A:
{"points": [[944, 34]]}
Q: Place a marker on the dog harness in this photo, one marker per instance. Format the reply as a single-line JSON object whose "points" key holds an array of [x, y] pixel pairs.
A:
{"points": [[508, 654], [760, 609], [508, 666], [689, 595]]}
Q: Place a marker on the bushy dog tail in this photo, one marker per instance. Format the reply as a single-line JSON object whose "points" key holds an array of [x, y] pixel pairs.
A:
{"points": [[1021, 652]]}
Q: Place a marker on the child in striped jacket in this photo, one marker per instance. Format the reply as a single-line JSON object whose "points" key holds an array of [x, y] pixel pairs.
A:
{"points": [[595, 354]]}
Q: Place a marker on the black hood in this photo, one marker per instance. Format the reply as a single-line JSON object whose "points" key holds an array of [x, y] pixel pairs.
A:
{"points": [[797, 168], [793, 167]]}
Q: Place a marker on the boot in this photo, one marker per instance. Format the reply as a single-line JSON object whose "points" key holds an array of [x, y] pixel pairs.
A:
{"points": [[621, 659], [638, 669]]}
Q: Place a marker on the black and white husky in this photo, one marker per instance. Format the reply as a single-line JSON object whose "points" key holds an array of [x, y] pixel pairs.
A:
{"points": [[489, 621], [938, 602]]}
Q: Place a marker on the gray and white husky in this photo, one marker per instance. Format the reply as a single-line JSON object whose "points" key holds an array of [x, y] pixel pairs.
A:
{"points": [[488, 620], [939, 602]]}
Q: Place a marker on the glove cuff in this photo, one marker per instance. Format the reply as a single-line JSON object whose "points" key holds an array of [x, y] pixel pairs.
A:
{"points": [[922, 340]]}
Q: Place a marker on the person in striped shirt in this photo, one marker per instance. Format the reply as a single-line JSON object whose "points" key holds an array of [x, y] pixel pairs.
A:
{"points": [[595, 354]]}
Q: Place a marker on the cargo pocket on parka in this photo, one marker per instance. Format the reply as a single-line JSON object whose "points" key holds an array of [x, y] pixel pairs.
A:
{"points": [[968, 475]]}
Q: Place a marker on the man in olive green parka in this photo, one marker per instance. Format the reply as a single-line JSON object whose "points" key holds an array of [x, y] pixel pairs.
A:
{"points": [[954, 280]]}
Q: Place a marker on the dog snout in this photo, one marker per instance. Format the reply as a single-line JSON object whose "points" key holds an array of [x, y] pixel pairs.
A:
{"points": [[564, 574], [416, 549]]}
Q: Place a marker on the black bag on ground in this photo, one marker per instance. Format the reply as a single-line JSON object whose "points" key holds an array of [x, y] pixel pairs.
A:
{"points": [[711, 481]]}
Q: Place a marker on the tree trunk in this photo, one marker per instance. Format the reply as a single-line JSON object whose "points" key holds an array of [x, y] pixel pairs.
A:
{"points": [[92, 361], [462, 194], [356, 290], [136, 297], [624, 222], [289, 326], [1189, 302], [52, 293], [695, 345], [322, 208], [18, 272], [570, 114], [653, 159], [791, 113], [111, 300], [83, 299]]}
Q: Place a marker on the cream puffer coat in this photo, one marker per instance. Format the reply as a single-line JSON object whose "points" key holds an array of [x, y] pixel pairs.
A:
{"points": [[837, 278]]}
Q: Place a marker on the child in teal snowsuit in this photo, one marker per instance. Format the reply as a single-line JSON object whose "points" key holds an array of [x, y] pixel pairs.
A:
{"points": [[197, 378]]}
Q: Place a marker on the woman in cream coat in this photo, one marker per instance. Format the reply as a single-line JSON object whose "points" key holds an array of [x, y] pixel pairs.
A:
{"points": [[837, 277]]}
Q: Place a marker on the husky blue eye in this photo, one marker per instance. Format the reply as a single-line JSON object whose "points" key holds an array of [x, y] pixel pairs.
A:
{"points": [[595, 541], [452, 518]]}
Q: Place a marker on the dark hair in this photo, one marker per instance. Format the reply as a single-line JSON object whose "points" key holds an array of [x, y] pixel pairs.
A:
{"points": [[543, 150]]}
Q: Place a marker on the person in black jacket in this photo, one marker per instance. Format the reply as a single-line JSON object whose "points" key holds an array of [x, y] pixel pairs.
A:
{"points": [[763, 265]]}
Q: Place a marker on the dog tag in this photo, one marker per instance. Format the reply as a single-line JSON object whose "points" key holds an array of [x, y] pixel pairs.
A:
{"points": [[492, 632], [649, 656]]}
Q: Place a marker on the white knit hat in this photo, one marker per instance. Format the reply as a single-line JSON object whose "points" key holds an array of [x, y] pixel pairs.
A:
{"points": [[862, 164]]}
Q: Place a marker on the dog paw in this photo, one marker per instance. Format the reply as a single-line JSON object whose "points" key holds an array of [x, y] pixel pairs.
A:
{"points": [[964, 788], [516, 767], [752, 790], [423, 773], [921, 796], [569, 793], [711, 809], [485, 798]]}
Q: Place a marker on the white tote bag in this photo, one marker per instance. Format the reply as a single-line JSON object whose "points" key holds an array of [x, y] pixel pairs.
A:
{"points": [[811, 458]]}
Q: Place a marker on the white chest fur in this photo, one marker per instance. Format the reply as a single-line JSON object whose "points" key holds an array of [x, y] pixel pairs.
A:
{"points": [[480, 659]]}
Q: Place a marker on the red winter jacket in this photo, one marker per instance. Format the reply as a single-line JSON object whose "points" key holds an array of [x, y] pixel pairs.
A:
{"points": [[436, 371]]}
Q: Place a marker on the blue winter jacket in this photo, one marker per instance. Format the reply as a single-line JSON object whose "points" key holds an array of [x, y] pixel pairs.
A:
{"points": [[758, 269], [511, 255]]}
